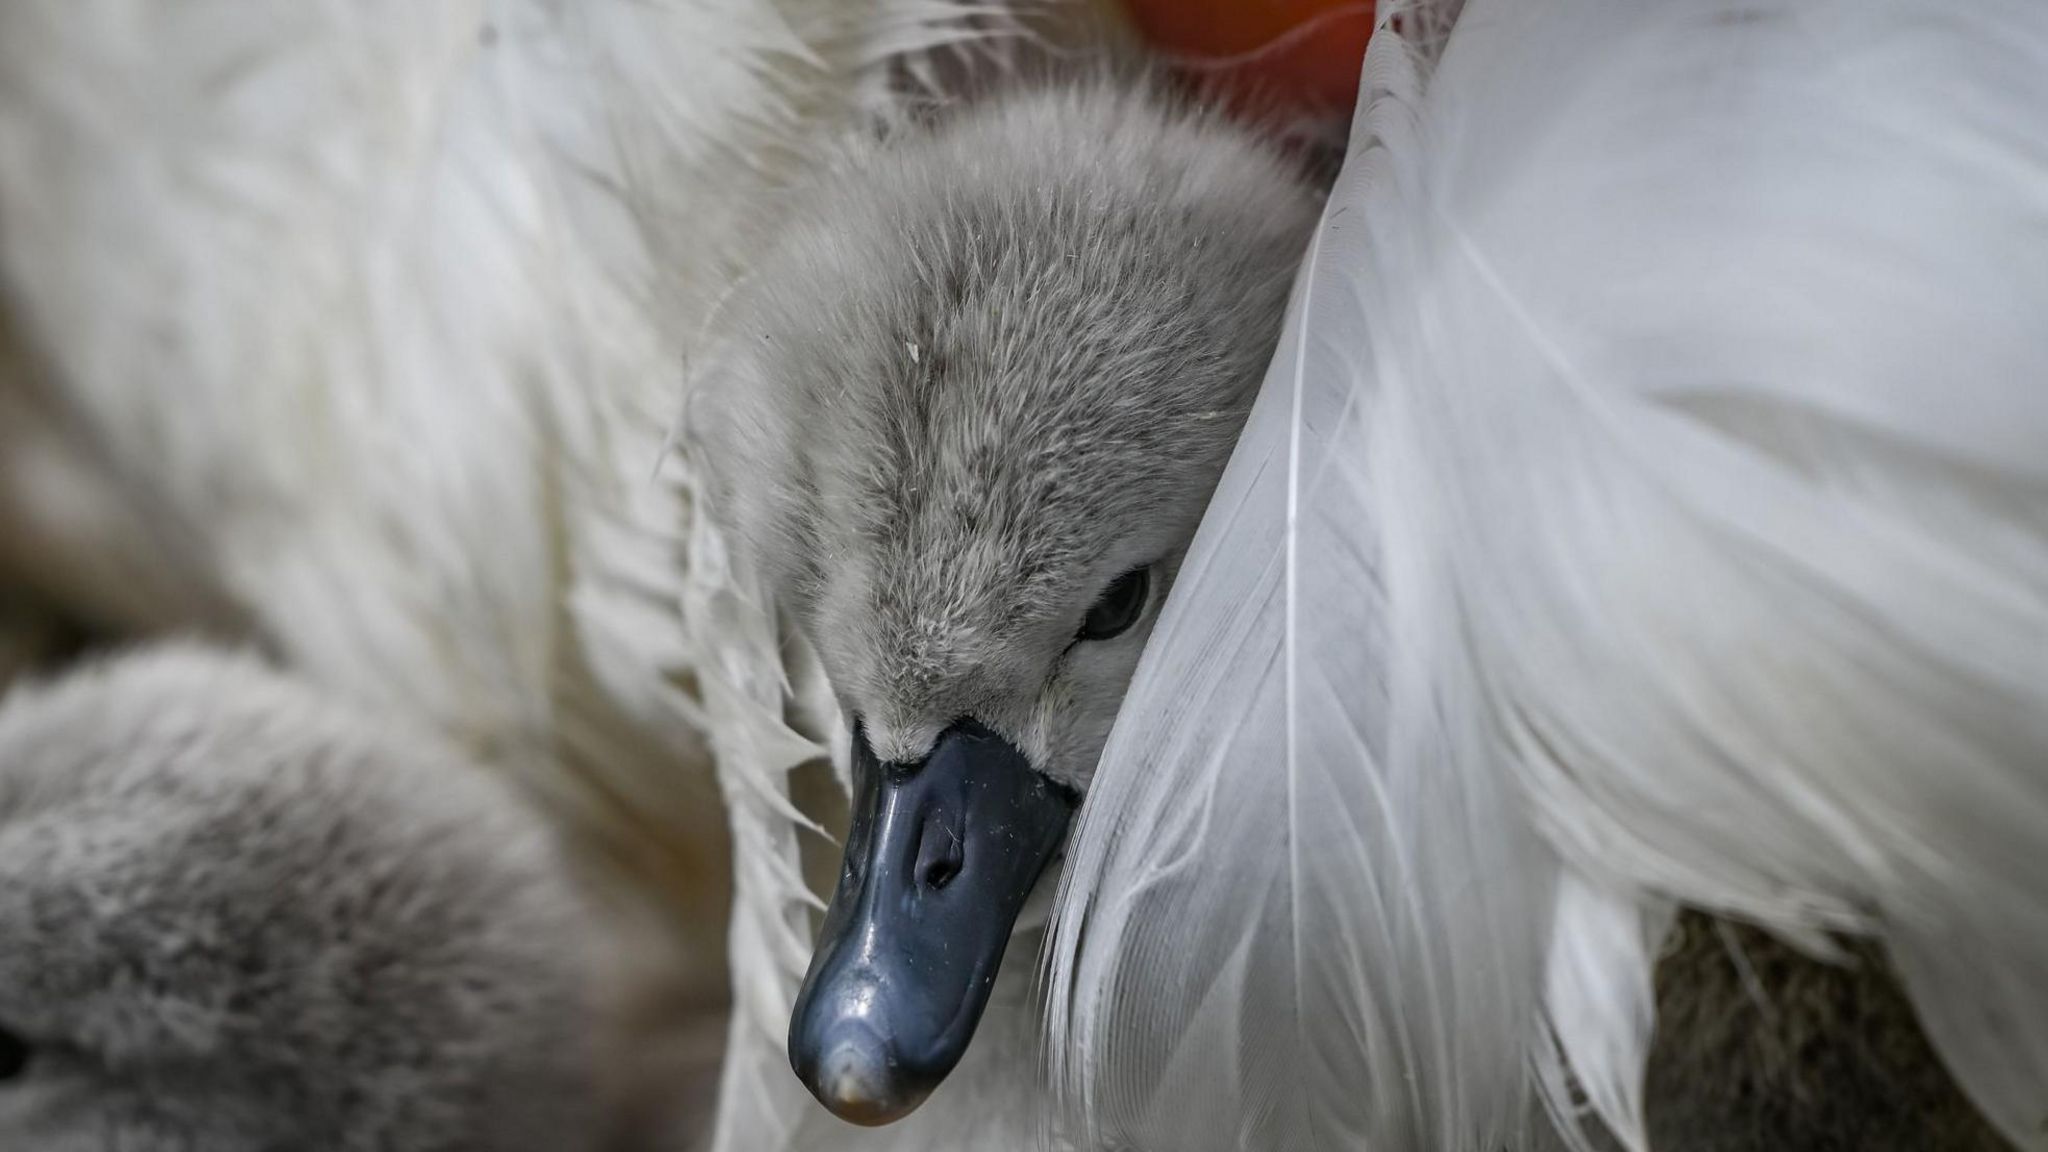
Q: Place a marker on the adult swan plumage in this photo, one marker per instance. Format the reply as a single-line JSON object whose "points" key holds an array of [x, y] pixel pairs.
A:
{"points": [[1434, 734], [1648, 507]]}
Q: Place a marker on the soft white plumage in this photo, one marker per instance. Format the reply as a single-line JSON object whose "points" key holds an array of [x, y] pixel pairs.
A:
{"points": [[1646, 506], [360, 327]]}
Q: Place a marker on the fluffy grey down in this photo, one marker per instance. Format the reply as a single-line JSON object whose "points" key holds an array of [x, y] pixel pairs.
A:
{"points": [[237, 917], [990, 366]]}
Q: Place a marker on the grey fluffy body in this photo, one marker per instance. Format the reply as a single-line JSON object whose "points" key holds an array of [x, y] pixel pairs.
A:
{"points": [[236, 917], [991, 366]]}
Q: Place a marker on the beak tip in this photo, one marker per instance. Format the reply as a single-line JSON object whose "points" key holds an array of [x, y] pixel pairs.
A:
{"points": [[904, 962], [856, 1079]]}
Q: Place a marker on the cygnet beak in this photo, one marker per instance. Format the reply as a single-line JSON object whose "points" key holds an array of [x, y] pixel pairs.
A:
{"points": [[939, 860]]}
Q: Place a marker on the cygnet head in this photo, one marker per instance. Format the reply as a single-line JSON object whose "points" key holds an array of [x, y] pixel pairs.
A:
{"points": [[237, 918], [983, 385]]}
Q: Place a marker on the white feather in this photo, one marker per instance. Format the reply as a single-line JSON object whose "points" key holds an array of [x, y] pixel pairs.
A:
{"points": [[1647, 505], [1279, 929]]}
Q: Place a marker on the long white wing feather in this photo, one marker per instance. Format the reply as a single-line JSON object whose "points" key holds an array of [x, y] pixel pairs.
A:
{"points": [[1669, 451], [1282, 921], [1736, 405]]}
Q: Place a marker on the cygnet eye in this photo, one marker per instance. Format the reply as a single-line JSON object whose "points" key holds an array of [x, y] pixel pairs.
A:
{"points": [[1119, 607], [15, 1055]]}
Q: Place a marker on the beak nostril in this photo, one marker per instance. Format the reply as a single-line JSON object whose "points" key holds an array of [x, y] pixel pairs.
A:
{"points": [[941, 854], [940, 873]]}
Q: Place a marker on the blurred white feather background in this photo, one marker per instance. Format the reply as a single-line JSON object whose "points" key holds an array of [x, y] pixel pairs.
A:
{"points": [[357, 329]]}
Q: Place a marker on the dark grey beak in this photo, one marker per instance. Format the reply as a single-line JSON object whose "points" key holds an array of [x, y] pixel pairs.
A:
{"points": [[939, 860]]}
